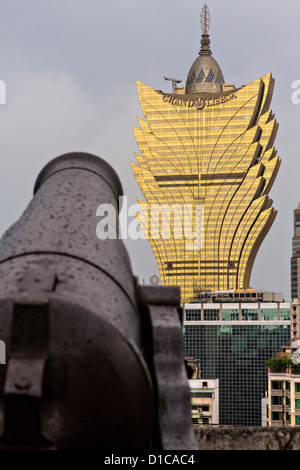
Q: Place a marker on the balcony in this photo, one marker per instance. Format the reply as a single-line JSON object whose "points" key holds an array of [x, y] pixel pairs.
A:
{"points": [[276, 407], [276, 393], [277, 423]]}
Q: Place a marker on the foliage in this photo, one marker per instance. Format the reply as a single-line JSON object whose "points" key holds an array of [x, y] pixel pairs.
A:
{"points": [[280, 365]]}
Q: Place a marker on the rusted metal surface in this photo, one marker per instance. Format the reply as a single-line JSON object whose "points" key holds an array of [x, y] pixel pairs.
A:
{"points": [[81, 335]]}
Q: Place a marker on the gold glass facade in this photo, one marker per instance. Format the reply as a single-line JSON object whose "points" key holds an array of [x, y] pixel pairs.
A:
{"points": [[211, 150]]}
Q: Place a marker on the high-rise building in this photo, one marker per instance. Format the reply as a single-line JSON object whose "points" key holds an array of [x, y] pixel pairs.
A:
{"points": [[295, 260], [284, 377], [206, 166], [233, 341]]}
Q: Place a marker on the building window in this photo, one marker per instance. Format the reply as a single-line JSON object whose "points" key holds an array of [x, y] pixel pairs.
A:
{"points": [[230, 314], [276, 416], [297, 403], [192, 315], [210, 76], [287, 385], [249, 314], [211, 314], [297, 386], [276, 400], [200, 76], [269, 313], [277, 384], [202, 395]]}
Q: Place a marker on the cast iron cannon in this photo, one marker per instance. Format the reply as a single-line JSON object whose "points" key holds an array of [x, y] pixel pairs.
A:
{"points": [[94, 360]]}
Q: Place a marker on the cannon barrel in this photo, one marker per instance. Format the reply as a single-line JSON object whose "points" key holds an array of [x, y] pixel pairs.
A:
{"points": [[78, 329]]}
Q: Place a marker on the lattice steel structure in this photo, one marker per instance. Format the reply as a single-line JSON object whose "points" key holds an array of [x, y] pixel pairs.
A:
{"points": [[211, 145]]}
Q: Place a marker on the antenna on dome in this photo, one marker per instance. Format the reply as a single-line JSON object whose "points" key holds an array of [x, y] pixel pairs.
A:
{"points": [[205, 19], [205, 23]]}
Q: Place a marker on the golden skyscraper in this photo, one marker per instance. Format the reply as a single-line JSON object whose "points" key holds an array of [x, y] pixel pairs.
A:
{"points": [[207, 160]]}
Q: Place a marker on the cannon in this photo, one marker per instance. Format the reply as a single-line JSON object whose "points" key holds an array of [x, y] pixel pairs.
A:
{"points": [[94, 360]]}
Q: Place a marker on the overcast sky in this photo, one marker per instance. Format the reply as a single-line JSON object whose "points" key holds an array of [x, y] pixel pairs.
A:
{"points": [[70, 68]]}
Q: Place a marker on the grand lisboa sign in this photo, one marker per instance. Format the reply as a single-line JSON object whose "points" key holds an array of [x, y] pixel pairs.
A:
{"points": [[199, 102]]}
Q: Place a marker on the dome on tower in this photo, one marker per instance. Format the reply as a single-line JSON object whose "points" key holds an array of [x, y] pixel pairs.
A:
{"points": [[205, 75]]}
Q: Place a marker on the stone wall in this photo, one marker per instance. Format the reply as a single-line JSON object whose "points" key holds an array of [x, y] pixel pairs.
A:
{"points": [[248, 438]]}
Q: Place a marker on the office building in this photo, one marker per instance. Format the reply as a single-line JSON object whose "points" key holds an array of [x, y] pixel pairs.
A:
{"points": [[232, 342]]}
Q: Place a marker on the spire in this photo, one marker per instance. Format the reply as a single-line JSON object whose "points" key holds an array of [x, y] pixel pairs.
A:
{"points": [[205, 22], [205, 74]]}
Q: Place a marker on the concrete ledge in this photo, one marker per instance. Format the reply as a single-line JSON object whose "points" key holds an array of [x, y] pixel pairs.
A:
{"points": [[248, 438]]}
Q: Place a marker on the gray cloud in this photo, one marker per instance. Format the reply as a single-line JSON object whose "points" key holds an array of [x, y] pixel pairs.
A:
{"points": [[70, 68]]}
